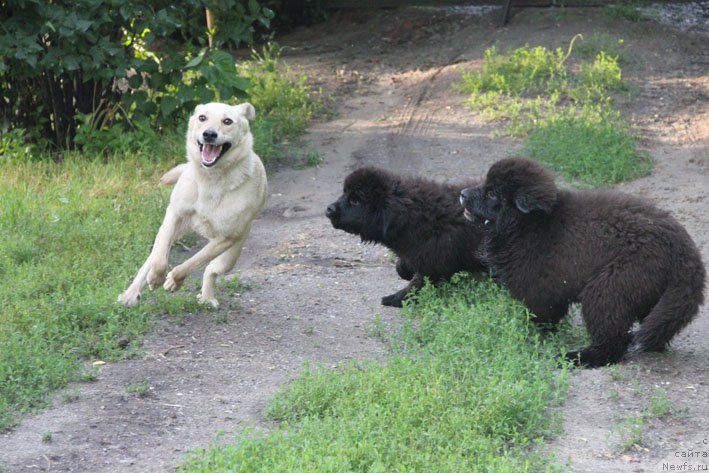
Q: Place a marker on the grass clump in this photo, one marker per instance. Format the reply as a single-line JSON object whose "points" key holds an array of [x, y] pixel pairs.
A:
{"points": [[589, 146], [76, 227], [469, 389], [567, 112]]}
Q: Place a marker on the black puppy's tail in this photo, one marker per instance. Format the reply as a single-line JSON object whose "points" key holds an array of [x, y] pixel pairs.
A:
{"points": [[678, 305]]}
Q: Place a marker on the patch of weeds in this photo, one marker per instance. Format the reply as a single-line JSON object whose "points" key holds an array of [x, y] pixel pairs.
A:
{"points": [[614, 395], [590, 146], [47, 437], [220, 317], [312, 158], [630, 431], [568, 117], [233, 285], [615, 372], [377, 329], [141, 389], [659, 405], [460, 394], [88, 374], [71, 395], [591, 46], [525, 70], [284, 101]]}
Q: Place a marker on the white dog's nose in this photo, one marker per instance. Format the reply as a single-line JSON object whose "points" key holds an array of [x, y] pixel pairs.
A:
{"points": [[209, 135]]}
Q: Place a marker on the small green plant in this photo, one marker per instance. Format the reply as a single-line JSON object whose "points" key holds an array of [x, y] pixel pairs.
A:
{"points": [[590, 46], [312, 158], [71, 394], [630, 431], [47, 437], [88, 375], [659, 405], [377, 329], [141, 388]]}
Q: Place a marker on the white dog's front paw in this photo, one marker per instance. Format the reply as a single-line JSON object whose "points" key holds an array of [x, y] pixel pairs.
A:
{"points": [[129, 298], [172, 282], [208, 300]]}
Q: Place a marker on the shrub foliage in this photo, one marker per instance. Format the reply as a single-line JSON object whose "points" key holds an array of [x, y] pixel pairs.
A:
{"points": [[94, 63]]}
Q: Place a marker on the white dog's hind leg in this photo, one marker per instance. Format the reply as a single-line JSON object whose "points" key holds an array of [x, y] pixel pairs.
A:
{"points": [[219, 266]]}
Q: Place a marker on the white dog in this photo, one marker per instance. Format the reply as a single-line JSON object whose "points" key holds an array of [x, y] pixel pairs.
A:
{"points": [[218, 193]]}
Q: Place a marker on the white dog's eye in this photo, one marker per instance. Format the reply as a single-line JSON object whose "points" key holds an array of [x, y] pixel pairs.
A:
{"points": [[202, 118], [227, 121]]}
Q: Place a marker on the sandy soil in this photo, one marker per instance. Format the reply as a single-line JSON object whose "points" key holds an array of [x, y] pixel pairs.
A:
{"points": [[314, 291]]}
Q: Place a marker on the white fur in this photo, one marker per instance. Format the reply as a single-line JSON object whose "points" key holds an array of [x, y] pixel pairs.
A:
{"points": [[218, 202]]}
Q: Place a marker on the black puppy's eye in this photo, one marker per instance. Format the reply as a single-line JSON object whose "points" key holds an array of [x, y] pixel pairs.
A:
{"points": [[354, 201], [491, 195], [227, 121], [202, 118]]}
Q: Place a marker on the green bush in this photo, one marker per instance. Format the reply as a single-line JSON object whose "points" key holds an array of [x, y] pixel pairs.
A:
{"points": [[114, 62]]}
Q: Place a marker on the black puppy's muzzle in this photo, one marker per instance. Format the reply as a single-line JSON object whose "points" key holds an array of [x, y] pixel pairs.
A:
{"points": [[332, 211], [471, 200], [470, 197]]}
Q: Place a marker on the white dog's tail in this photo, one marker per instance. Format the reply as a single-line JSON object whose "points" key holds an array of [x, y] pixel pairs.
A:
{"points": [[172, 175]]}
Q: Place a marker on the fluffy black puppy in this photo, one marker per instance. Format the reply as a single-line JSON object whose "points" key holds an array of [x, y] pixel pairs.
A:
{"points": [[622, 258], [419, 220]]}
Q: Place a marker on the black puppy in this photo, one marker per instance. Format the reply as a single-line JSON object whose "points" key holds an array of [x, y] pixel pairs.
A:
{"points": [[419, 220], [622, 258]]}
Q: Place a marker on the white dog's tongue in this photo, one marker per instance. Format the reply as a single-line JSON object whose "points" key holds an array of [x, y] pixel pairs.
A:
{"points": [[210, 153]]}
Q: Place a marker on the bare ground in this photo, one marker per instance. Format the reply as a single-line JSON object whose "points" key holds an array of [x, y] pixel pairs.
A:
{"points": [[314, 291]]}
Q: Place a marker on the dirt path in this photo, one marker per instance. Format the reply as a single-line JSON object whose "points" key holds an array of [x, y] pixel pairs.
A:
{"points": [[314, 291]]}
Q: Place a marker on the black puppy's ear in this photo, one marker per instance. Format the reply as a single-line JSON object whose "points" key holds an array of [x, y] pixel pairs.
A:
{"points": [[527, 203], [393, 218], [391, 224], [522, 204]]}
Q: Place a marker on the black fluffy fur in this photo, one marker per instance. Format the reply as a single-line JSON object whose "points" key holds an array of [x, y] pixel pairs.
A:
{"points": [[420, 220], [622, 258]]}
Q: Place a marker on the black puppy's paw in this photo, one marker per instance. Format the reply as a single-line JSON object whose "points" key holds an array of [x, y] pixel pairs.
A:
{"points": [[393, 300]]}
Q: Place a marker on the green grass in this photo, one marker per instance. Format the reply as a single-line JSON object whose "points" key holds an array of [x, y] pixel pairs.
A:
{"points": [[565, 111], [469, 389], [75, 228], [74, 233], [589, 147]]}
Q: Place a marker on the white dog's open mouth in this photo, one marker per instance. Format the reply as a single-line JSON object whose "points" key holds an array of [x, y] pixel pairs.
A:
{"points": [[211, 153]]}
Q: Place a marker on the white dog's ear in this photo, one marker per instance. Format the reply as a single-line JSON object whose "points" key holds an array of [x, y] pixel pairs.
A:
{"points": [[247, 110]]}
